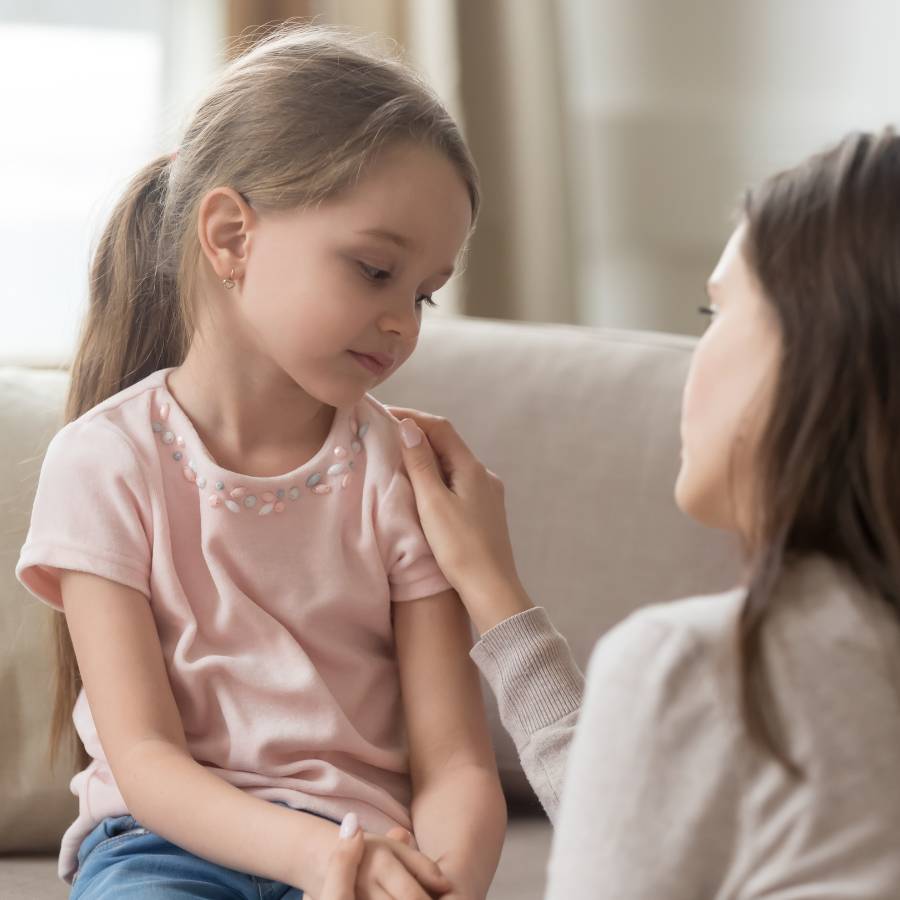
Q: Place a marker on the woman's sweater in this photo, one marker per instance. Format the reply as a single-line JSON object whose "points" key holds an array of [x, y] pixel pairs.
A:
{"points": [[665, 793]]}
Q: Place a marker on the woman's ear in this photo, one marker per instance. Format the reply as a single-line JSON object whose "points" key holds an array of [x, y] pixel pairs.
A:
{"points": [[224, 223]]}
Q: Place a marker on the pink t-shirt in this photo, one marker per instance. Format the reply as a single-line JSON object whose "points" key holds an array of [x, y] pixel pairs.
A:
{"points": [[272, 597]]}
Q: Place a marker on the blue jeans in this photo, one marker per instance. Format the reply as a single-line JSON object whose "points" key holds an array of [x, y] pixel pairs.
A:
{"points": [[119, 858]]}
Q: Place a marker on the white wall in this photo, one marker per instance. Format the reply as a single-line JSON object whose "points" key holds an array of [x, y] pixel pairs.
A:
{"points": [[674, 107]]}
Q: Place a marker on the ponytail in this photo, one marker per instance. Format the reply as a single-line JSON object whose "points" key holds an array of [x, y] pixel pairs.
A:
{"points": [[134, 326]]}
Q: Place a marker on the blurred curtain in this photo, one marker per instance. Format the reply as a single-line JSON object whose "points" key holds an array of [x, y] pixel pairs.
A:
{"points": [[496, 65]]}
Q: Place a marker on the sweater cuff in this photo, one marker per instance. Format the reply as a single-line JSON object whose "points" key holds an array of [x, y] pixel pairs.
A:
{"points": [[530, 669]]}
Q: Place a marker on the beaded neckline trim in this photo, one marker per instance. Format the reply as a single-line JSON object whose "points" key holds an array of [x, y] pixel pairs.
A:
{"points": [[236, 498]]}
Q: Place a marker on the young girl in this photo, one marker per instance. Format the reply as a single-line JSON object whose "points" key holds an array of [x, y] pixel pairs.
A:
{"points": [[264, 639]]}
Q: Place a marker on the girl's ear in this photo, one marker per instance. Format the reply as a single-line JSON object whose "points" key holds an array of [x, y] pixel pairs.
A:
{"points": [[224, 222]]}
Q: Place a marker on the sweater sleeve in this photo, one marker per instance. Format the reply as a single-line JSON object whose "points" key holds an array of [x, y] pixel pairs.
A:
{"points": [[650, 803], [539, 687]]}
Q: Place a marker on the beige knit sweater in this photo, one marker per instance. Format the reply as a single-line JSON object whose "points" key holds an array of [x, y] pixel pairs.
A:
{"points": [[665, 796]]}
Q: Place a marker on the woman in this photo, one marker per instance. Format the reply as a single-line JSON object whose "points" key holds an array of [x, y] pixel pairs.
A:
{"points": [[744, 745]]}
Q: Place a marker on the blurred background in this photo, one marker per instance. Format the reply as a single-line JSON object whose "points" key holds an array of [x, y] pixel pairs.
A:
{"points": [[614, 137]]}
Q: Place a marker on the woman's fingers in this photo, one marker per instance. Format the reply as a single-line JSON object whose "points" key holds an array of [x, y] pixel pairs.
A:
{"points": [[450, 448], [340, 882], [425, 472]]}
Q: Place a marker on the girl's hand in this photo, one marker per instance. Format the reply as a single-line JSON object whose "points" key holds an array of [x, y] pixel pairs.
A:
{"points": [[369, 867], [462, 508]]}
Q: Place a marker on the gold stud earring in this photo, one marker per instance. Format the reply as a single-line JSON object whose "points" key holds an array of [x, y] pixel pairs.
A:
{"points": [[229, 281]]}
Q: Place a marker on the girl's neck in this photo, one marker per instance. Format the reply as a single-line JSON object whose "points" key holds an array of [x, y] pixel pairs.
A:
{"points": [[250, 416]]}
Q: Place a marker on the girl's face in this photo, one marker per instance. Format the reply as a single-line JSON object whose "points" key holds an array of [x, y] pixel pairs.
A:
{"points": [[727, 397], [333, 294]]}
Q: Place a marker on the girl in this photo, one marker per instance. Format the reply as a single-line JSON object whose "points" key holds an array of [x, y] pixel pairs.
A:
{"points": [[746, 745], [264, 639]]}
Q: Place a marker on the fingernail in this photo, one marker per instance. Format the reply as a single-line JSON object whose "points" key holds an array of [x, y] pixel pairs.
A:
{"points": [[350, 825], [411, 433]]}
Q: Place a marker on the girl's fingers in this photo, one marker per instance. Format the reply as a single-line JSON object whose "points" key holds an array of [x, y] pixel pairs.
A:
{"points": [[401, 835], [398, 882], [426, 871]]}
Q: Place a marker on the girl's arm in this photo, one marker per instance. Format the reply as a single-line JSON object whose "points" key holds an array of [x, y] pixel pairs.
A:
{"points": [[124, 675], [458, 810]]}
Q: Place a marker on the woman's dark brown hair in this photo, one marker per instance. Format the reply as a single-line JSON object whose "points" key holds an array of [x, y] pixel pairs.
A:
{"points": [[823, 240]]}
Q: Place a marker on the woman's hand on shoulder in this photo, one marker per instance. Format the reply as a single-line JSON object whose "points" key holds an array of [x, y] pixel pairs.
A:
{"points": [[462, 507]]}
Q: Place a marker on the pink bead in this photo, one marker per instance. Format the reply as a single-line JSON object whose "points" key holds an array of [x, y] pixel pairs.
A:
{"points": [[214, 500], [164, 411], [346, 480], [322, 489], [189, 474], [180, 441], [279, 507], [268, 497], [340, 452], [238, 493], [354, 427]]}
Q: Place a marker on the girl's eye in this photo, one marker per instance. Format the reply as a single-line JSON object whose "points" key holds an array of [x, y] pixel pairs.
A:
{"points": [[426, 299], [373, 273]]}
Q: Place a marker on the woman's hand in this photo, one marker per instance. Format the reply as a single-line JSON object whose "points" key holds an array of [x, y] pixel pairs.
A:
{"points": [[463, 512], [365, 866]]}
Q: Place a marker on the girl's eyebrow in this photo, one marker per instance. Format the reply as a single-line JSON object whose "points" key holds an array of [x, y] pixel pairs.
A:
{"points": [[387, 235], [400, 240]]}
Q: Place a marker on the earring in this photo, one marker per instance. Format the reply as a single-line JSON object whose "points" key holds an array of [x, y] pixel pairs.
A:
{"points": [[229, 281]]}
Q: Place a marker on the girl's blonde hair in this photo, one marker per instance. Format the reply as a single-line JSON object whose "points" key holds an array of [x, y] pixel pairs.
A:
{"points": [[290, 123]]}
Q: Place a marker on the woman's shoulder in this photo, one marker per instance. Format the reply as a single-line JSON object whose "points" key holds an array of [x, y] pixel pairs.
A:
{"points": [[669, 650]]}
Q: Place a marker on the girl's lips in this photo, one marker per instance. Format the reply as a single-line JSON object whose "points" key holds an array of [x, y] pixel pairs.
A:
{"points": [[376, 365]]}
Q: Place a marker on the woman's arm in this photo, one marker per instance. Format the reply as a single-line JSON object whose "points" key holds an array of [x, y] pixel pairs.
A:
{"points": [[458, 811], [539, 689], [527, 663]]}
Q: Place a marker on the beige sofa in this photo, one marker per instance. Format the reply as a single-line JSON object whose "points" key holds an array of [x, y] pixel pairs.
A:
{"points": [[583, 427]]}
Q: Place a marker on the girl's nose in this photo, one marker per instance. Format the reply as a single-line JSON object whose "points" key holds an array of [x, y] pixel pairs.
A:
{"points": [[402, 319]]}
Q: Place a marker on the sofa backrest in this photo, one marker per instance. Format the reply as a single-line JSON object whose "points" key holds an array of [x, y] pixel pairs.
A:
{"points": [[581, 424]]}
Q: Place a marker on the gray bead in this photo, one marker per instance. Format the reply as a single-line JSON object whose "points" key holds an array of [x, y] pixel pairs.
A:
{"points": [[280, 493], [220, 485], [157, 427], [250, 501], [313, 480], [177, 456]]}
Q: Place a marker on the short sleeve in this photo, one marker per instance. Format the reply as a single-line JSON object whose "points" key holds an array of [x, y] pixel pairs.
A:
{"points": [[88, 513], [412, 570]]}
